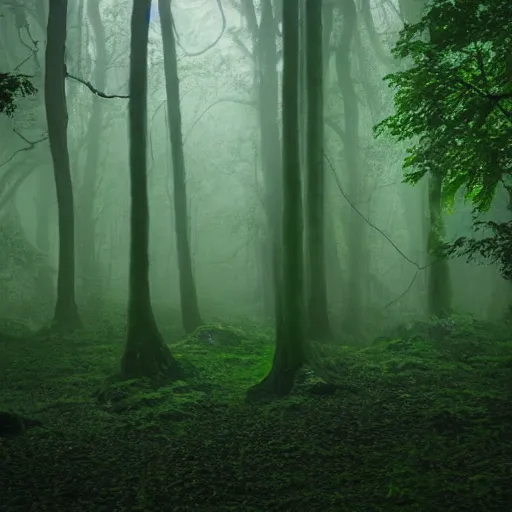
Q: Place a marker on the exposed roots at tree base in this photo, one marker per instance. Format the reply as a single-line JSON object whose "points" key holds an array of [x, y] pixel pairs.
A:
{"points": [[146, 356], [278, 383], [63, 322]]}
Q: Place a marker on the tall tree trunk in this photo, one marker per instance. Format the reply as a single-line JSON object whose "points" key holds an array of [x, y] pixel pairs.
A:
{"points": [[365, 64], [439, 280], [66, 312], [334, 273], [265, 54], [145, 353], [317, 317], [289, 351], [74, 53], [87, 260], [189, 306], [270, 157], [439, 292], [439, 289], [354, 168]]}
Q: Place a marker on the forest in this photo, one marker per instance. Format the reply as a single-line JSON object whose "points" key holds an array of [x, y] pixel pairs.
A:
{"points": [[255, 255]]}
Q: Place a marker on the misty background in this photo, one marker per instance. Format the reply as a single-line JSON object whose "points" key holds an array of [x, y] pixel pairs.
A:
{"points": [[224, 177]]}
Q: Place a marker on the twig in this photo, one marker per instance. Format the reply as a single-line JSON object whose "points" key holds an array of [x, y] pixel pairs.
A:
{"points": [[93, 89], [31, 145]]}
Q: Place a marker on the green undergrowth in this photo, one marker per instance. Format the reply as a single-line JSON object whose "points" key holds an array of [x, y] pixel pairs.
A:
{"points": [[420, 420]]}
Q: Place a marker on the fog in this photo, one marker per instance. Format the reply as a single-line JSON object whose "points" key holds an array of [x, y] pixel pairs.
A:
{"points": [[225, 188]]}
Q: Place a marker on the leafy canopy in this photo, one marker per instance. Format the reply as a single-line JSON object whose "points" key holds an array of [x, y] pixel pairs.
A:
{"points": [[454, 102], [11, 86]]}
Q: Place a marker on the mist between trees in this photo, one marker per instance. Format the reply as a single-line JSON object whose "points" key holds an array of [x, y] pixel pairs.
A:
{"points": [[225, 165]]}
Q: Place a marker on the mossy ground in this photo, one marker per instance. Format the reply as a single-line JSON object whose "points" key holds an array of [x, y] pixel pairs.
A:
{"points": [[416, 424]]}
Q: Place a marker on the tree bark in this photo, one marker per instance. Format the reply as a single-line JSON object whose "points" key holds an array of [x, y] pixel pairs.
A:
{"points": [[145, 353], [88, 264], [190, 315], [357, 264], [289, 351], [318, 326], [439, 291], [270, 156], [66, 312], [438, 273]]}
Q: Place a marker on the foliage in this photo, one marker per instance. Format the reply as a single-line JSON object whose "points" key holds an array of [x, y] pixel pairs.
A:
{"points": [[13, 85], [455, 103], [416, 423], [496, 248], [22, 263]]}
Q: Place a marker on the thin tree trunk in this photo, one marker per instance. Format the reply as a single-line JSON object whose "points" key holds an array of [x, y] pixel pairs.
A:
{"points": [[356, 227], [66, 312], [265, 53], [270, 156], [289, 351], [317, 317], [439, 279], [88, 264], [439, 293], [191, 317], [145, 353], [439, 290], [335, 280]]}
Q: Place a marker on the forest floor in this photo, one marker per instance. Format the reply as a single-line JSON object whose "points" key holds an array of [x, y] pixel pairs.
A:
{"points": [[418, 423]]}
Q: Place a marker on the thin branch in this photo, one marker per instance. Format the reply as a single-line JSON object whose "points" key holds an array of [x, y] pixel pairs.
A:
{"points": [[373, 226], [495, 98], [211, 45], [481, 64], [93, 89], [404, 293], [31, 145]]}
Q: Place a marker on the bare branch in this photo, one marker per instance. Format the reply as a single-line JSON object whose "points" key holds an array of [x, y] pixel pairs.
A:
{"points": [[31, 145], [93, 89], [211, 45], [494, 98]]}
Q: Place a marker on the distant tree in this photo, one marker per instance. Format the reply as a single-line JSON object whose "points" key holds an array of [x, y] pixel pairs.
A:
{"points": [[455, 103], [12, 86], [357, 252], [264, 33], [265, 55], [66, 311], [146, 354], [88, 265], [189, 305]]}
